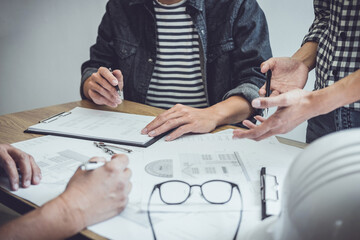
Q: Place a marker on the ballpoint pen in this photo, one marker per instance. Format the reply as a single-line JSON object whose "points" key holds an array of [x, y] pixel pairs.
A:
{"points": [[87, 166], [117, 87], [267, 86]]}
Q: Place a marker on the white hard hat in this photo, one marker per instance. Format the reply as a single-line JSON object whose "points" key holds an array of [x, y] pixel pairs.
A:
{"points": [[321, 193]]}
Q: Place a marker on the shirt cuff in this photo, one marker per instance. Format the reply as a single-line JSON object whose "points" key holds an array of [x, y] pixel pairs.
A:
{"points": [[85, 75], [249, 92]]}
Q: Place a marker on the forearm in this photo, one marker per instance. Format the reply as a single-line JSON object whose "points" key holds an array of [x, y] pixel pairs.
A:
{"points": [[54, 220], [232, 110], [307, 54], [343, 92]]}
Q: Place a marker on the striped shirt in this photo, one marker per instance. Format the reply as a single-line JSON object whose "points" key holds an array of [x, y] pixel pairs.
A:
{"points": [[177, 74]]}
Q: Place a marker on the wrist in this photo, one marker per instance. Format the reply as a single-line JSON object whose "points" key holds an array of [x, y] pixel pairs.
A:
{"points": [[71, 213], [318, 103], [307, 55]]}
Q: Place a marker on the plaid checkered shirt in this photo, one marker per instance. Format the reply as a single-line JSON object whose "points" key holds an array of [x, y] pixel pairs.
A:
{"points": [[336, 29]]}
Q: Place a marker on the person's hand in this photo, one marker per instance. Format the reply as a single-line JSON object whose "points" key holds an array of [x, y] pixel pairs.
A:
{"points": [[12, 159], [100, 87], [287, 74], [294, 107], [185, 119], [99, 194]]}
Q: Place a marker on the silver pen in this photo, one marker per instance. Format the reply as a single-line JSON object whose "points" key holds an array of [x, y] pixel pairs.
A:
{"points": [[87, 166]]}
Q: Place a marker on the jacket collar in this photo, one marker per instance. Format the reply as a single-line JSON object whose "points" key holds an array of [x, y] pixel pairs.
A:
{"points": [[197, 4]]}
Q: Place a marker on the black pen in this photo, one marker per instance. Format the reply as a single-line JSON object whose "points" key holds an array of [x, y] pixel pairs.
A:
{"points": [[267, 86], [263, 193]]}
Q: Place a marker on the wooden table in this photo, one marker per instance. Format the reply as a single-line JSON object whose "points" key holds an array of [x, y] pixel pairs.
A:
{"points": [[13, 125], [12, 128]]}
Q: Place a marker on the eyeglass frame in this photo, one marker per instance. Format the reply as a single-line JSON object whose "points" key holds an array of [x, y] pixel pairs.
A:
{"points": [[158, 186]]}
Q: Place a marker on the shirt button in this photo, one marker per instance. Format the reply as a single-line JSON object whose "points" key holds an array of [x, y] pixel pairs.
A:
{"points": [[202, 32], [335, 72], [150, 60], [343, 35]]}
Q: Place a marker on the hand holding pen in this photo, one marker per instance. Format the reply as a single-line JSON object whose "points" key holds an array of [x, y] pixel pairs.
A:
{"points": [[104, 86], [101, 193]]}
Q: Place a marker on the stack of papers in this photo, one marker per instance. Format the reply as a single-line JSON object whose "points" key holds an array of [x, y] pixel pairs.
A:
{"points": [[215, 156]]}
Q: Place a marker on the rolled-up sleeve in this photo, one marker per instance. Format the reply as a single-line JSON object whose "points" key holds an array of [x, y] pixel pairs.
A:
{"points": [[252, 47], [320, 23]]}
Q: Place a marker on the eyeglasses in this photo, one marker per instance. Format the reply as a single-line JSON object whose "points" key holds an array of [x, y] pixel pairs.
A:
{"points": [[175, 192]]}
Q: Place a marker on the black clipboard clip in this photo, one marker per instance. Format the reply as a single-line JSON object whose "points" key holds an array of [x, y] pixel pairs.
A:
{"points": [[54, 117], [265, 186]]}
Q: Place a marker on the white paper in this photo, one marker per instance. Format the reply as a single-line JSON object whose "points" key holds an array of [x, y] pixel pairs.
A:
{"points": [[59, 157], [107, 125]]}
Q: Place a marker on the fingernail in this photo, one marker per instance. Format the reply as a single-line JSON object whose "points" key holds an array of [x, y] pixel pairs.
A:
{"points": [[152, 133], [115, 82], [16, 187], [26, 183], [256, 103], [167, 138], [144, 131], [118, 100], [36, 179]]}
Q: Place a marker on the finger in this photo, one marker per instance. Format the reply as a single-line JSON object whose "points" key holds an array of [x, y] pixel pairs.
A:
{"points": [[161, 119], [168, 125], [262, 91], [268, 65], [10, 168], [36, 171], [277, 101], [248, 124], [265, 135], [22, 160], [250, 134], [100, 99], [108, 76], [179, 132], [102, 86], [260, 118], [119, 162], [274, 93], [126, 173], [118, 74]]}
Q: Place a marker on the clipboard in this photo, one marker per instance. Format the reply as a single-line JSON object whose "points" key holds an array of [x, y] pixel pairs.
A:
{"points": [[97, 125], [269, 191]]}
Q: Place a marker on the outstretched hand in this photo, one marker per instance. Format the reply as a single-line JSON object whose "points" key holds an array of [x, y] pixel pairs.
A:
{"points": [[294, 107]]}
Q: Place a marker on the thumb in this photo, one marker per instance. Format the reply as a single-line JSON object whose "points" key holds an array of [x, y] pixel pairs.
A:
{"points": [[118, 74], [268, 65]]}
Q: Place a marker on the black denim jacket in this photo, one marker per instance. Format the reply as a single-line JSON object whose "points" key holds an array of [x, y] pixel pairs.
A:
{"points": [[234, 41]]}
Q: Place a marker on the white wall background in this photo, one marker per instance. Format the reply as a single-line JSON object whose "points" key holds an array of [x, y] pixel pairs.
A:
{"points": [[42, 46], [44, 42], [289, 21]]}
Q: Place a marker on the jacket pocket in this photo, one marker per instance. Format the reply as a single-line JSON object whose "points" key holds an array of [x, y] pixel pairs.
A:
{"points": [[219, 49], [126, 53], [124, 49]]}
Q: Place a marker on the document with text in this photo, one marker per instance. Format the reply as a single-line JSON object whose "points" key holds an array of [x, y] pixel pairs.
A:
{"points": [[97, 125]]}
